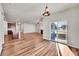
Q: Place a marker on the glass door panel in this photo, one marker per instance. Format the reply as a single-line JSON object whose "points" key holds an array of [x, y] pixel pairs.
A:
{"points": [[59, 31]]}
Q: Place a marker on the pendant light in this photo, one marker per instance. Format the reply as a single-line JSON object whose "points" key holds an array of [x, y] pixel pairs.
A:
{"points": [[46, 12]]}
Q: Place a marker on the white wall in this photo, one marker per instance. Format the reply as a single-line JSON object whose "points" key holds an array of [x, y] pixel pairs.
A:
{"points": [[5, 27], [29, 28], [1, 28], [45, 27], [37, 27], [72, 16]]}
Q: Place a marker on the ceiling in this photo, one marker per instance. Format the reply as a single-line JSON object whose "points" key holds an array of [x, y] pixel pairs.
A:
{"points": [[30, 12]]}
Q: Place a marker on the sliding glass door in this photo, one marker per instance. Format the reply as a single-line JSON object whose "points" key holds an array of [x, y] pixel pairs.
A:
{"points": [[59, 31]]}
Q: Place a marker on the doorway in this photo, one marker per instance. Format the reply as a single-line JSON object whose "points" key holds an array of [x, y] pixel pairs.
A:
{"points": [[12, 34]]}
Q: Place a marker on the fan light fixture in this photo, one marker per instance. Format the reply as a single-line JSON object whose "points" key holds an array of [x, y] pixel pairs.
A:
{"points": [[46, 12]]}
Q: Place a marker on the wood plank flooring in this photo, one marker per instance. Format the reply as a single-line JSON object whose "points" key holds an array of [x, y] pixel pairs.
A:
{"points": [[74, 50], [31, 45]]}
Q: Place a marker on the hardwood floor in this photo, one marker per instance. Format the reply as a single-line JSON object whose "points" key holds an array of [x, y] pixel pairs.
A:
{"points": [[31, 45], [74, 50]]}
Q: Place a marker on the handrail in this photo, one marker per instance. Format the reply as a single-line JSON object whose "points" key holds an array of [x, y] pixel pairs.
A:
{"points": [[58, 49]]}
